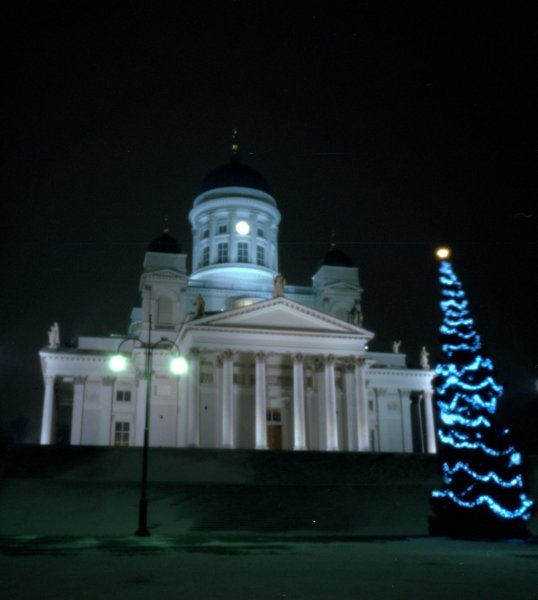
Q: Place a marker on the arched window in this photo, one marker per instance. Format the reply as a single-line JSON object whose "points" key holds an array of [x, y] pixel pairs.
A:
{"points": [[242, 252], [260, 255]]}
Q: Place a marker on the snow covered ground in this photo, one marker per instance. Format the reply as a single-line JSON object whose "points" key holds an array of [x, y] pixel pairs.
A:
{"points": [[269, 567], [237, 524]]}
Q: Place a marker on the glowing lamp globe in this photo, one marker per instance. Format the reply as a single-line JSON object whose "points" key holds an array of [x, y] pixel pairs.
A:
{"points": [[442, 253], [178, 365], [242, 227], [117, 363]]}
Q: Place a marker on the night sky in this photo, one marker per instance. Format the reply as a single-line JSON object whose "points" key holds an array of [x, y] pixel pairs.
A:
{"points": [[397, 125]]}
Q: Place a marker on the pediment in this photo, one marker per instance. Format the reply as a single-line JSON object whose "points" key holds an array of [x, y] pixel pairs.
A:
{"points": [[162, 274], [279, 314], [342, 285]]}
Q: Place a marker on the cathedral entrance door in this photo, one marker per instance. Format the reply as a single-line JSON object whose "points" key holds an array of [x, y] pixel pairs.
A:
{"points": [[274, 437], [274, 429]]}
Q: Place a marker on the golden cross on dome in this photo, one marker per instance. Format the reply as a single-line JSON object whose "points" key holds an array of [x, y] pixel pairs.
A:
{"points": [[235, 145], [333, 239]]}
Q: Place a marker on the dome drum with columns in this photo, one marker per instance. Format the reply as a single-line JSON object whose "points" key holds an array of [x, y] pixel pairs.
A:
{"points": [[235, 230], [271, 365]]}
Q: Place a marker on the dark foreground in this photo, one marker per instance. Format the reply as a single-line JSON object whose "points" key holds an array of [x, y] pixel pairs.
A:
{"points": [[266, 567]]}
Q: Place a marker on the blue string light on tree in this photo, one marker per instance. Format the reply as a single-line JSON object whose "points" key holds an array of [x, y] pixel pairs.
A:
{"points": [[483, 492]]}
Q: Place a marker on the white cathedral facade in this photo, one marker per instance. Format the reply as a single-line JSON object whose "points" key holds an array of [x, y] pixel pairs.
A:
{"points": [[270, 365]]}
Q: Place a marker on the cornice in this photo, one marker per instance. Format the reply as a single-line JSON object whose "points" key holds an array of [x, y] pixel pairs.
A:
{"points": [[270, 332]]}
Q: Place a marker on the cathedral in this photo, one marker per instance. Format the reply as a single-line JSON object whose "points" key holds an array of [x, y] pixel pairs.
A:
{"points": [[266, 364]]}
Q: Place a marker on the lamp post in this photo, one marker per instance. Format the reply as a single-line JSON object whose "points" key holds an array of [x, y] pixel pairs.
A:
{"points": [[178, 366]]}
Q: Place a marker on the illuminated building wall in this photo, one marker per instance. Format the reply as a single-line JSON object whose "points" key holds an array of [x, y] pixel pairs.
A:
{"points": [[271, 364]]}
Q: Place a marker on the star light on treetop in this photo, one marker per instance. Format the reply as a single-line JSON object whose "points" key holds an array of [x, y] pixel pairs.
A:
{"points": [[443, 252]]}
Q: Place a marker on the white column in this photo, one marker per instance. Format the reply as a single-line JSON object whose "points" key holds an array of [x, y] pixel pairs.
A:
{"points": [[351, 423], [232, 250], [299, 431], [261, 401], [141, 388], [181, 426], [107, 391], [227, 402], [193, 400], [212, 243], [330, 404], [420, 420], [321, 421], [310, 414], [431, 444], [252, 252], [407, 430], [78, 410], [47, 422], [196, 249], [362, 405]]}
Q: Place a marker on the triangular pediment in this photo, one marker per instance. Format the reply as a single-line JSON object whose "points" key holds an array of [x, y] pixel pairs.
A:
{"points": [[165, 273], [342, 285], [279, 314]]}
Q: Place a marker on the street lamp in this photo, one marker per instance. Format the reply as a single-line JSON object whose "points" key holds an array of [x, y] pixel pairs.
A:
{"points": [[178, 366]]}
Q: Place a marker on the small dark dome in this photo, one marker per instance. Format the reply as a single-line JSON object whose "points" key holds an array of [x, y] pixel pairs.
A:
{"points": [[337, 258], [235, 174], [166, 244]]}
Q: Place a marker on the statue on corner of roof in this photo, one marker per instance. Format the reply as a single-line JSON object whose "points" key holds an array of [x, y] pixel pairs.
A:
{"points": [[355, 314], [424, 358], [54, 335], [396, 346], [278, 286], [199, 305]]}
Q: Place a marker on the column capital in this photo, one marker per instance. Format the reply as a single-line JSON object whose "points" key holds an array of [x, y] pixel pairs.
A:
{"points": [[109, 380], [323, 361], [298, 357], [228, 354], [260, 356], [360, 361], [80, 379], [194, 353], [49, 379]]}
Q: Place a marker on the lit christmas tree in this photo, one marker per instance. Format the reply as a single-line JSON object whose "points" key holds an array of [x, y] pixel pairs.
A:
{"points": [[483, 492]]}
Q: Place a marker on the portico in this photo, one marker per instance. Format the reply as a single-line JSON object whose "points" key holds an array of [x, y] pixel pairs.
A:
{"points": [[254, 383]]}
